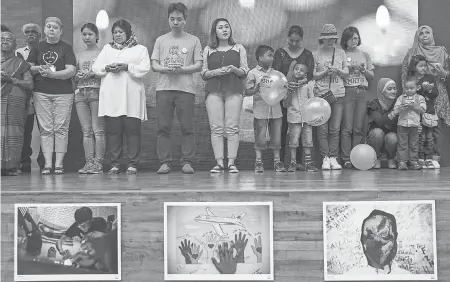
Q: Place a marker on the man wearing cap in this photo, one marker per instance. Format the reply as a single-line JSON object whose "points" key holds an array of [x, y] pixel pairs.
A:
{"points": [[33, 34]]}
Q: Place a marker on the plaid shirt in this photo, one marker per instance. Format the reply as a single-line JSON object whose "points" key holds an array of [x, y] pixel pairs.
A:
{"points": [[408, 118]]}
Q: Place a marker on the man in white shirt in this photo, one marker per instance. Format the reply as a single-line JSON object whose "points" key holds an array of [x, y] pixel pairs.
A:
{"points": [[32, 33]]}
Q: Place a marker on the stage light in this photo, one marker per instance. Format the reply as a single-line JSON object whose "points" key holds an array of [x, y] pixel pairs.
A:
{"points": [[102, 20], [383, 19], [247, 3]]}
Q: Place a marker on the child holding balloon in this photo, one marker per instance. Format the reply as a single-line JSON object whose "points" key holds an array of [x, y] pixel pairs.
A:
{"points": [[267, 118], [296, 122]]}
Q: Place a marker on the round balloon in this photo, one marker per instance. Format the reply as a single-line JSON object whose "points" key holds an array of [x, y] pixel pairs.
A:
{"points": [[316, 111], [363, 157], [273, 87]]}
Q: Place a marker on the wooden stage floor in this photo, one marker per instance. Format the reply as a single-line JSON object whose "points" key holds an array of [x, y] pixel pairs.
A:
{"points": [[150, 182], [297, 203]]}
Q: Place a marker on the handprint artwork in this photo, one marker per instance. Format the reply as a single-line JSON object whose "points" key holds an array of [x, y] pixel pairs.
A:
{"points": [[214, 240]]}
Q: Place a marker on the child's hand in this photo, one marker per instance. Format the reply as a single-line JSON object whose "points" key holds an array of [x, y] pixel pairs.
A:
{"points": [[416, 107]]}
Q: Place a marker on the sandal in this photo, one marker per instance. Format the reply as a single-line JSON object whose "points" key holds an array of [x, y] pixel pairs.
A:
{"points": [[114, 170], [59, 170], [46, 171], [131, 170], [217, 169], [233, 169]]}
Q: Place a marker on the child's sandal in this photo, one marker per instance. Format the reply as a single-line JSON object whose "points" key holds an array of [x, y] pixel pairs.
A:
{"points": [[46, 171], [59, 170]]}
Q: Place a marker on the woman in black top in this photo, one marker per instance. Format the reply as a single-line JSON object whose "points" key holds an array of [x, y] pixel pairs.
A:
{"points": [[282, 59]]}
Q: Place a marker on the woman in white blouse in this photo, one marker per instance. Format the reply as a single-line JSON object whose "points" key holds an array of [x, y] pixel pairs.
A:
{"points": [[122, 64]]}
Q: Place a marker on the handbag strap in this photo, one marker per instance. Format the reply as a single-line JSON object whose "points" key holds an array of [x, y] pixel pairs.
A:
{"points": [[332, 63]]}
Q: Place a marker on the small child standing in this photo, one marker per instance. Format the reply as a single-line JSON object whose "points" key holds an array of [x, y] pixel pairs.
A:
{"points": [[409, 106], [297, 126], [266, 118], [427, 88]]}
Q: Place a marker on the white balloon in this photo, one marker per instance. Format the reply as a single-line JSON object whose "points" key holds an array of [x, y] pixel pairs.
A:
{"points": [[102, 20]]}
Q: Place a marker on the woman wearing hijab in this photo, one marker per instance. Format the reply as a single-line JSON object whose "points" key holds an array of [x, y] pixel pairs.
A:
{"points": [[53, 66], [438, 66], [122, 64], [16, 80], [382, 132]]}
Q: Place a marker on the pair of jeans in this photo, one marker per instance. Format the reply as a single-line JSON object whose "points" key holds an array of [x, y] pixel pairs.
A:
{"points": [[262, 127], [426, 142], [438, 134], [408, 144], [183, 104], [382, 142], [93, 126], [116, 128], [224, 113], [284, 133], [54, 112], [355, 108], [328, 133], [300, 129]]}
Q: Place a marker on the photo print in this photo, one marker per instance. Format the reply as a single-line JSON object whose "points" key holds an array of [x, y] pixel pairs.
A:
{"points": [[67, 242], [218, 241], [379, 240]]}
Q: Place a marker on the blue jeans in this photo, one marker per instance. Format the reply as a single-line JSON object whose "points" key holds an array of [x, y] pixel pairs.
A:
{"points": [[355, 108], [264, 126], [93, 126], [305, 131], [408, 144], [328, 133]]}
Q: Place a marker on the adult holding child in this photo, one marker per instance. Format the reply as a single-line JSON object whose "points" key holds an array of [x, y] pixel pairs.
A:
{"points": [[282, 59], [331, 68], [438, 66], [224, 67], [177, 55], [122, 65], [356, 96]]}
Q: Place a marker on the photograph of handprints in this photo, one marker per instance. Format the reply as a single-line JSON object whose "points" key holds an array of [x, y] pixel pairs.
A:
{"points": [[379, 240], [218, 241]]}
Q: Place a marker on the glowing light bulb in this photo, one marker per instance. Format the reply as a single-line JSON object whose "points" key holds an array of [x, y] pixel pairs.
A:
{"points": [[383, 19], [247, 3], [102, 20]]}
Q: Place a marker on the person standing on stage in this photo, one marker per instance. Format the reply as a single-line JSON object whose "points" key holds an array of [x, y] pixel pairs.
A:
{"points": [[224, 67], [282, 59], [32, 33], [53, 66], [122, 65], [176, 56], [87, 101]]}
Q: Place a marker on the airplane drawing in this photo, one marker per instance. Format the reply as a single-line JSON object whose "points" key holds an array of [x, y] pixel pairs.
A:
{"points": [[217, 221]]}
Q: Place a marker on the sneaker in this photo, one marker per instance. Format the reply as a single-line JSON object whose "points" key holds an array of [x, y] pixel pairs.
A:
{"points": [[422, 163], [131, 170], [402, 166], [429, 164], [259, 167], [163, 169], [348, 165], [96, 168], [377, 164], [25, 167], [187, 169], [85, 168], [300, 167], [334, 164], [415, 166], [114, 170], [392, 164], [217, 169], [232, 169], [279, 167], [435, 163], [310, 167], [292, 166], [326, 165]]}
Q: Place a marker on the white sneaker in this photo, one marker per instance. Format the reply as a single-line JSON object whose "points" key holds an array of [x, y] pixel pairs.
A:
{"points": [[436, 164], [326, 163], [377, 164], [392, 164], [334, 164]]}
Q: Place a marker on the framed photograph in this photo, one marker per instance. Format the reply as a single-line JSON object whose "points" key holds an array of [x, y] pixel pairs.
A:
{"points": [[67, 242], [379, 240], [218, 241]]}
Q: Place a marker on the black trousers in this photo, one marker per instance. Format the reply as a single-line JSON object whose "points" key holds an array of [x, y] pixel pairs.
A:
{"points": [[116, 128], [26, 150]]}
